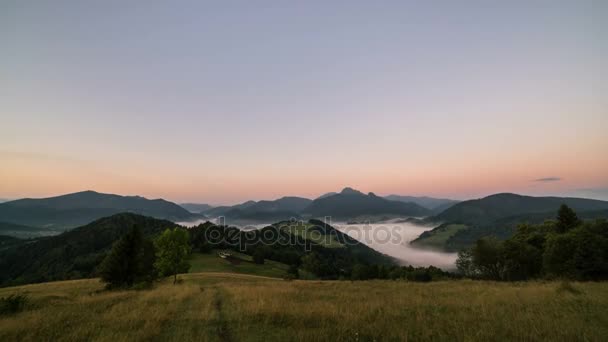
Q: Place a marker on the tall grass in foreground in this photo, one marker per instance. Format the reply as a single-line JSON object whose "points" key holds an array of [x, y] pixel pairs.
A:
{"points": [[224, 307]]}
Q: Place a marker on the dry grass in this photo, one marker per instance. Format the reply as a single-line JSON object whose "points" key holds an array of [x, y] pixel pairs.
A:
{"points": [[228, 307]]}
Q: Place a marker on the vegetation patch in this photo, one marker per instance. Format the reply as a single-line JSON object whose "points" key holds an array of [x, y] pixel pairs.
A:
{"points": [[438, 237], [12, 304]]}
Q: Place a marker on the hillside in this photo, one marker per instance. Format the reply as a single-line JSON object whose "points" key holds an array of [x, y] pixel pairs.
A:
{"points": [[25, 232], [231, 307], [499, 206], [437, 205], [262, 211], [350, 204], [77, 253], [73, 210], [71, 255], [498, 216], [196, 208]]}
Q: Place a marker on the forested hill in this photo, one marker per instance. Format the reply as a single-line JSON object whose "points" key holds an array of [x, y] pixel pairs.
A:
{"points": [[500, 206], [75, 254], [498, 216], [71, 255]]}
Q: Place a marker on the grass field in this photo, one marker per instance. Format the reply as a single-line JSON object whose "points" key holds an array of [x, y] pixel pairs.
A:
{"points": [[233, 307], [244, 265]]}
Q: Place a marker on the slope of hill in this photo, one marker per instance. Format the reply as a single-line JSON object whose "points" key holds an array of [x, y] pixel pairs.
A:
{"points": [[263, 211], [350, 204], [233, 307], [9, 241], [222, 210], [494, 207], [72, 210], [437, 205], [498, 216], [25, 232], [71, 255], [77, 253], [195, 208]]}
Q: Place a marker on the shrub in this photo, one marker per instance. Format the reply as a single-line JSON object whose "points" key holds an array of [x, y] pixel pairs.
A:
{"points": [[12, 304]]}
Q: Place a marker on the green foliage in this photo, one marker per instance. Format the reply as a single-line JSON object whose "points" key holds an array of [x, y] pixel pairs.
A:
{"points": [[580, 253], [258, 256], [499, 215], [568, 249], [409, 273], [293, 271], [172, 249], [465, 264], [130, 261], [72, 255], [566, 219], [522, 260], [12, 304]]}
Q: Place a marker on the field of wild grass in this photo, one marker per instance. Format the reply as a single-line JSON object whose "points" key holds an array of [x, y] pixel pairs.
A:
{"points": [[231, 307]]}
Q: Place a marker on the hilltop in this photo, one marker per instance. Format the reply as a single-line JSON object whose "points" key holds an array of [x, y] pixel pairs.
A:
{"points": [[350, 203]]}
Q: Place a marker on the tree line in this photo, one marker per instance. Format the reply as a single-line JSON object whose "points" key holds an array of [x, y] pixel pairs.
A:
{"points": [[137, 260], [564, 248]]}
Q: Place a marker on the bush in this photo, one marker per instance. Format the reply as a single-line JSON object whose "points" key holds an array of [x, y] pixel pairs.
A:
{"points": [[12, 304]]}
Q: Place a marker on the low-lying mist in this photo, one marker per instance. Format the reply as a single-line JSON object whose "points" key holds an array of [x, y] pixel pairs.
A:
{"points": [[392, 239]]}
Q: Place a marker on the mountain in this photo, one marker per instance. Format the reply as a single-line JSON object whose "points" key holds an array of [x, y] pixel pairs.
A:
{"points": [[437, 205], [350, 203], [267, 211], [498, 206], [222, 210], [196, 208], [327, 195], [498, 215], [71, 255], [72, 210]]}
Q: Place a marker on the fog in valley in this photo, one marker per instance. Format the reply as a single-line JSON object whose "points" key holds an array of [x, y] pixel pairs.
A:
{"points": [[390, 238], [393, 239]]}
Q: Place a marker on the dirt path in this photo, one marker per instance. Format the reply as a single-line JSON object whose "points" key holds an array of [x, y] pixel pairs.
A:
{"points": [[223, 331]]}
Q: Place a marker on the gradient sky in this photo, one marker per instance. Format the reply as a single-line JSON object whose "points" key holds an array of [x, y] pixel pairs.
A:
{"points": [[223, 101]]}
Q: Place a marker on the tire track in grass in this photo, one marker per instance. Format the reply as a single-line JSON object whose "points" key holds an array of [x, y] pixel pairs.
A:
{"points": [[222, 328]]}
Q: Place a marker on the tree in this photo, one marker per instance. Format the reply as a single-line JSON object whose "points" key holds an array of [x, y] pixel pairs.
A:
{"points": [[522, 260], [172, 249], [487, 256], [566, 219], [129, 261], [360, 272], [258, 256], [293, 271], [464, 263]]}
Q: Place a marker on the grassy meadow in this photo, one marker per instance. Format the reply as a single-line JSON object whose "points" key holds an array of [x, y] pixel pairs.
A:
{"points": [[234, 307], [239, 263]]}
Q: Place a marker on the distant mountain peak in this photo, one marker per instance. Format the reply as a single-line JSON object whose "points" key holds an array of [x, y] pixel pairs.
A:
{"points": [[350, 191]]}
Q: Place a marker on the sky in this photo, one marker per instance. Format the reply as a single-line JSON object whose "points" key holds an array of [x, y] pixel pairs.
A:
{"points": [[225, 101]]}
